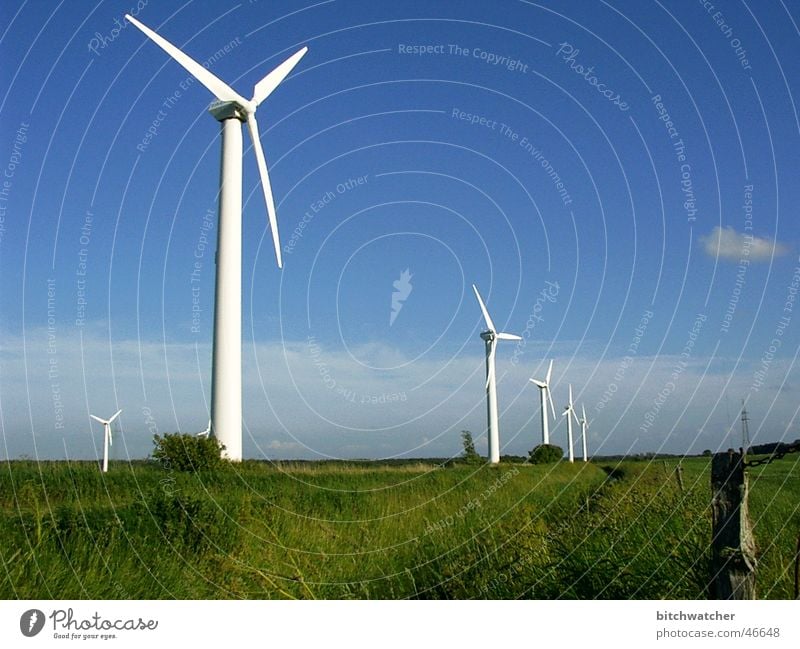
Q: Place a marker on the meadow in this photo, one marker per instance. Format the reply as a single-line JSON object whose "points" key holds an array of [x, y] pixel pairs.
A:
{"points": [[365, 530]]}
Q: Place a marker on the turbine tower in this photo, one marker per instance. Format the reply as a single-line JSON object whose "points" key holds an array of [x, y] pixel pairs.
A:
{"points": [[584, 428], [569, 413], [490, 338], [231, 110], [544, 396], [106, 436]]}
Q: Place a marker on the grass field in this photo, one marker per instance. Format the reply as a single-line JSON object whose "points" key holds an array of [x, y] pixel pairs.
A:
{"points": [[367, 531]]}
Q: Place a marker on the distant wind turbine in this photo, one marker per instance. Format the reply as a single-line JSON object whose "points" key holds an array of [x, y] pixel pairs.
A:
{"points": [[544, 396], [107, 441], [231, 110], [584, 429], [569, 409], [206, 432], [490, 338]]}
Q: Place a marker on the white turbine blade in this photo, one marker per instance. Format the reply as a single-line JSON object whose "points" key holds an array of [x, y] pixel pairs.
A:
{"points": [[102, 421], [265, 185], [486, 317], [491, 373], [540, 384], [577, 421], [117, 414], [570, 396], [221, 90], [110, 437], [549, 372], [552, 407], [583, 412], [505, 336], [265, 87]]}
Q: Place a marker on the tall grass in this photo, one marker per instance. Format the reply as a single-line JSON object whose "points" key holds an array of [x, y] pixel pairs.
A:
{"points": [[366, 531]]}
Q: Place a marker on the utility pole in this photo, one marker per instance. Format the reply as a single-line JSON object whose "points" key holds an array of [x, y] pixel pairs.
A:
{"points": [[745, 429]]}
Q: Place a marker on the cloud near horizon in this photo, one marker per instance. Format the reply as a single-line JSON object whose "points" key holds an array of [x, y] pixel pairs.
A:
{"points": [[303, 401], [728, 244]]}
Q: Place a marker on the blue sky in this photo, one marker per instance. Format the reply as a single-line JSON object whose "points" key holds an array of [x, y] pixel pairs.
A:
{"points": [[600, 172]]}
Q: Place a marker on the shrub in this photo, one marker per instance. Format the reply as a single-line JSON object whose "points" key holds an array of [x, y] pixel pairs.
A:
{"points": [[185, 452], [470, 455], [546, 454]]}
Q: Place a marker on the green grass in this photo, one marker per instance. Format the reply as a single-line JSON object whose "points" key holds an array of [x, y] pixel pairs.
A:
{"points": [[361, 530]]}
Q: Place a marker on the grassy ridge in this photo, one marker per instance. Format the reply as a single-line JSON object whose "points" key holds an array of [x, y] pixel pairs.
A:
{"points": [[361, 531]]}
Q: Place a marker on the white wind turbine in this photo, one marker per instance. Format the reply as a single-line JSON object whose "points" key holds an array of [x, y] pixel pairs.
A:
{"points": [[490, 337], [106, 436], [569, 409], [544, 396], [206, 432], [584, 428], [231, 110]]}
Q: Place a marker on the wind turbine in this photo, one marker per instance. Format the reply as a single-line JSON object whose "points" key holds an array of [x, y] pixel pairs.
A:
{"points": [[490, 337], [544, 396], [106, 436], [584, 427], [231, 110], [569, 409], [206, 432]]}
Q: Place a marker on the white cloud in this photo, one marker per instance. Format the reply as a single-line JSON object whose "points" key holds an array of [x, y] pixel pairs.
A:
{"points": [[728, 244], [291, 410]]}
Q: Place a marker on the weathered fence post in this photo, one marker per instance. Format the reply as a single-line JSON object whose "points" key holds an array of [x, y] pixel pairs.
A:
{"points": [[733, 561], [797, 570], [679, 475]]}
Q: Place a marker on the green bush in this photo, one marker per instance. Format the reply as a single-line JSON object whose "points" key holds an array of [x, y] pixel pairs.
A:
{"points": [[185, 452], [546, 454], [470, 455]]}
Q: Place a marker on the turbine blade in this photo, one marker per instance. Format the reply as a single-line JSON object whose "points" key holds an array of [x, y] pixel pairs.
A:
{"points": [[252, 124], [583, 411], [505, 336], [552, 407], [102, 421], [265, 87], [486, 316], [116, 414], [570, 395], [549, 372], [220, 90], [110, 436]]}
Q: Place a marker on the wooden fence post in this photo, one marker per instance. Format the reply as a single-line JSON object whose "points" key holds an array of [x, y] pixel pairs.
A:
{"points": [[797, 570], [733, 560], [679, 475]]}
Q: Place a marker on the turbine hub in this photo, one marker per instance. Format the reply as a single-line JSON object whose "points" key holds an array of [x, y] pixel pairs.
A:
{"points": [[488, 335], [222, 110]]}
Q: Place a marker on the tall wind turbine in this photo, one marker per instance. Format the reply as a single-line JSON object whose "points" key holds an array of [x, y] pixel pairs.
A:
{"points": [[584, 427], [544, 396], [231, 110], [490, 337], [106, 436], [569, 409]]}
